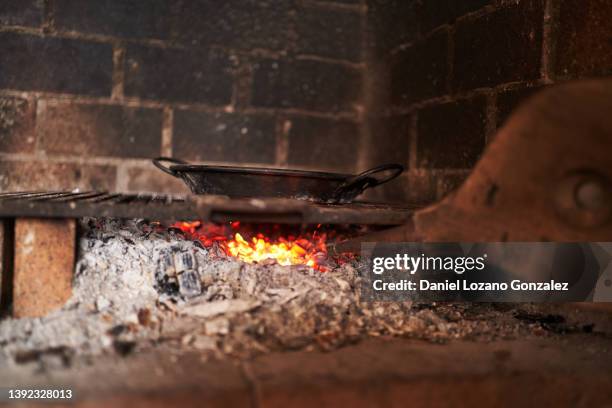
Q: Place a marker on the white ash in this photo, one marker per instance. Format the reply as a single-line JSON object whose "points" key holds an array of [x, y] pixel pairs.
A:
{"points": [[134, 287], [113, 282]]}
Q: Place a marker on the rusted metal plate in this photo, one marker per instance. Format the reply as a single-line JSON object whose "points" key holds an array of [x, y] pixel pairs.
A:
{"points": [[204, 208], [43, 265], [547, 175]]}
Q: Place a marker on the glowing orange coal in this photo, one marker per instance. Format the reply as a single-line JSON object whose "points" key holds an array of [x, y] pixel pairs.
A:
{"points": [[308, 250]]}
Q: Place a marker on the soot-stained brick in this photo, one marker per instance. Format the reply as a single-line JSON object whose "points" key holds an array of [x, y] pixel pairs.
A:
{"points": [[451, 135], [584, 46], [356, 2], [98, 130], [390, 139], [244, 24], [305, 84], [224, 137], [329, 33], [420, 71], [16, 125], [30, 62], [178, 75], [390, 24], [21, 12], [117, 18], [44, 175], [433, 13], [503, 46], [153, 180], [323, 144]]}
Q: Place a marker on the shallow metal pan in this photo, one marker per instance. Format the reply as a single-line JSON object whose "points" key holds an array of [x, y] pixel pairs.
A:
{"points": [[266, 182]]}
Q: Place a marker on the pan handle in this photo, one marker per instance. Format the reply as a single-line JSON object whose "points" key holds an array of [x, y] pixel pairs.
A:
{"points": [[157, 162], [369, 178]]}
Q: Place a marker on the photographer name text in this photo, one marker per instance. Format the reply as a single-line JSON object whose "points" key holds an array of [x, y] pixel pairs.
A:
{"points": [[412, 265]]}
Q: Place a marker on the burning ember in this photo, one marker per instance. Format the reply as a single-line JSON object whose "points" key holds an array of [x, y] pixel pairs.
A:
{"points": [[308, 249]]}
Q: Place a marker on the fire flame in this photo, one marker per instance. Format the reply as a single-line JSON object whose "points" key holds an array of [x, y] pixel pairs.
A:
{"points": [[289, 250]]}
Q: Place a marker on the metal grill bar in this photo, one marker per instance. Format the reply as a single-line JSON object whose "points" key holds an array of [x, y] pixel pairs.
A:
{"points": [[60, 197], [78, 196], [102, 198], [18, 193], [29, 195], [74, 204]]}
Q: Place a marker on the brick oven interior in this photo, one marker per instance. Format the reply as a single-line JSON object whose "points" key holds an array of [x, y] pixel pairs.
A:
{"points": [[145, 311]]}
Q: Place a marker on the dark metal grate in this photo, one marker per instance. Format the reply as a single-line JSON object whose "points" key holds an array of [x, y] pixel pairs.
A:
{"points": [[88, 196], [77, 204]]}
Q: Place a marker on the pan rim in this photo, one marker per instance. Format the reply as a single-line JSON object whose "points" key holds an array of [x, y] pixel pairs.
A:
{"points": [[191, 168]]}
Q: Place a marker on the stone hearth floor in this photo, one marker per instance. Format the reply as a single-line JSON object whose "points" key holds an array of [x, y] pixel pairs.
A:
{"points": [[564, 370]]}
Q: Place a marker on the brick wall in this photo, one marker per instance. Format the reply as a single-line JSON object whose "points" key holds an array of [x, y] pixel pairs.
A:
{"points": [[90, 90], [443, 75]]}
